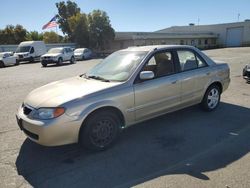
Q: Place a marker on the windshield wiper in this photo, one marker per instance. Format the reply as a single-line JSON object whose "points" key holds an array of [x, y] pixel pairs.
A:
{"points": [[98, 78]]}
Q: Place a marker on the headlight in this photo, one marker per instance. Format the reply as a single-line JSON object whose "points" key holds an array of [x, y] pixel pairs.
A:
{"points": [[48, 113]]}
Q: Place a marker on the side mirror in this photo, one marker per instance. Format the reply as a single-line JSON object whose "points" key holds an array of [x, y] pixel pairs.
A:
{"points": [[147, 75]]}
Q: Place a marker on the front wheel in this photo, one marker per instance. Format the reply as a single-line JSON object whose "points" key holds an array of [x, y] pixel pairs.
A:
{"points": [[72, 60], [211, 98], [17, 62], [100, 130], [59, 62], [32, 60], [1, 64]]}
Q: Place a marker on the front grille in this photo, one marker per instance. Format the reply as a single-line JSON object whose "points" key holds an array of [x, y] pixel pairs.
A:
{"points": [[248, 74], [30, 134], [26, 110], [20, 56]]}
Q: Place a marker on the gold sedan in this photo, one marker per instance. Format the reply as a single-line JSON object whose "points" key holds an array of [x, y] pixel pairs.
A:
{"points": [[127, 87]]}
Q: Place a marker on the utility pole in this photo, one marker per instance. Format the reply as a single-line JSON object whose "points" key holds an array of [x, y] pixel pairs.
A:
{"points": [[238, 17]]}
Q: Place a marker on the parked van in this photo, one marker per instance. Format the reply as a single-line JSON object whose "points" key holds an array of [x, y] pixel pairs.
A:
{"points": [[30, 51]]}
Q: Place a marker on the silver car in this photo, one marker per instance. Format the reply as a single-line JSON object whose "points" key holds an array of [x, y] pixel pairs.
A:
{"points": [[127, 87]]}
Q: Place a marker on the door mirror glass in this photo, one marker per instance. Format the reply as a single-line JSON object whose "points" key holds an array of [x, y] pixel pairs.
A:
{"points": [[147, 75]]}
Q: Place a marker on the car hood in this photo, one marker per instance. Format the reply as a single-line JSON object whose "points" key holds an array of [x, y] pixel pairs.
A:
{"points": [[77, 53], [51, 55], [21, 53], [60, 92]]}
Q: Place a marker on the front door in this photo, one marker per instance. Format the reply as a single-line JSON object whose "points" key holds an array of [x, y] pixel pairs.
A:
{"points": [[160, 94]]}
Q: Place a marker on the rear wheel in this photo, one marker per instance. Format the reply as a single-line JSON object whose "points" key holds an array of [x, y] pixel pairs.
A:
{"points": [[100, 130], [211, 98], [44, 64]]}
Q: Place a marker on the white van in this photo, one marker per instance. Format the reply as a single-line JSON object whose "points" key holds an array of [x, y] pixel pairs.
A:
{"points": [[30, 51]]}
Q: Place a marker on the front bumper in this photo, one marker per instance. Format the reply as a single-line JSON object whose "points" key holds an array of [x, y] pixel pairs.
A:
{"points": [[78, 57], [24, 59], [59, 131], [246, 75], [49, 61]]}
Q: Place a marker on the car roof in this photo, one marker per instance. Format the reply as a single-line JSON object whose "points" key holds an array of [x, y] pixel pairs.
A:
{"points": [[156, 47]]}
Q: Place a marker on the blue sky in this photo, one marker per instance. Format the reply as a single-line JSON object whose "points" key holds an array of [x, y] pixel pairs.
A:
{"points": [[129, 15]]}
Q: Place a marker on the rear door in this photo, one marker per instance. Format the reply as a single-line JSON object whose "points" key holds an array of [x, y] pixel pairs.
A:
{"points": [[194, 75], [160, 94]]}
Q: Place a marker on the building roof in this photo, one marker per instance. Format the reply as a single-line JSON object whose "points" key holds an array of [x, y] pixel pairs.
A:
{"points": [[192, 29], [155, 35], [154, 47]]}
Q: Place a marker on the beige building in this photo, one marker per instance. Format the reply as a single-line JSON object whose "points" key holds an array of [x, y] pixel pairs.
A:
{"points": [[201, 36]]}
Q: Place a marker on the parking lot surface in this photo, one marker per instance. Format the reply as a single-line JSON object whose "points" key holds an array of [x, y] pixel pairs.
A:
{"points": [[187, 148]]}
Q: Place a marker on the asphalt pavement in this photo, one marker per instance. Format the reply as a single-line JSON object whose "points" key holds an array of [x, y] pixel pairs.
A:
{"points": [[187, 148]]}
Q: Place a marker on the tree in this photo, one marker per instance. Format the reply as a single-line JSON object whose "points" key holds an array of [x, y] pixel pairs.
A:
{"points": [[79, 29], [34, 35], [65, 11], [19, 33], [100, 29], [12, 34], [51, 37]]}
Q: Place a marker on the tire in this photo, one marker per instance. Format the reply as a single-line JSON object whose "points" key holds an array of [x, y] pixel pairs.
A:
{"points": [[83, 58], [72, 60], [2, 64], [44, 64], [31, 60], [100, 130], [60, 61], [17, 62], [211, 99]]}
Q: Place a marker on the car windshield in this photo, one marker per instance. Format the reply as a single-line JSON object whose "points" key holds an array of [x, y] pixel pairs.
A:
{"points": [[23, 49], [79, 50], [55, 50], [118, 66]]}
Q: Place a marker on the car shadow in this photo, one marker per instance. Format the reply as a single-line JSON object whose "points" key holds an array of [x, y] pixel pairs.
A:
{"points": [[55, 65], [28, 62], [189, 141]]}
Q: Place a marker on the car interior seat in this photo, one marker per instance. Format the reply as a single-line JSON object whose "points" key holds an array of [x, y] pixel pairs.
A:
{"points": [[164, 65], [190, 64]]}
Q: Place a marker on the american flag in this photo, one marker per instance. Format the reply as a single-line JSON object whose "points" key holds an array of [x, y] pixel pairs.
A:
{"points": [[51, 23]]}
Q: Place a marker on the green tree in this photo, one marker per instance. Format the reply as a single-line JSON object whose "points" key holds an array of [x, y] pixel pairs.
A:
{"points": [[34, 35], [19, 33], [100, 30], [65, 11], [79, 29], [12, 34], [51, 37]]}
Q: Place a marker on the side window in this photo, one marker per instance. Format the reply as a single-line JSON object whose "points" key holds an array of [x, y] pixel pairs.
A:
{"points": [[161, 64], [6, 55], [200, 62], [152, 61], [32, 50], [187, 60]]}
